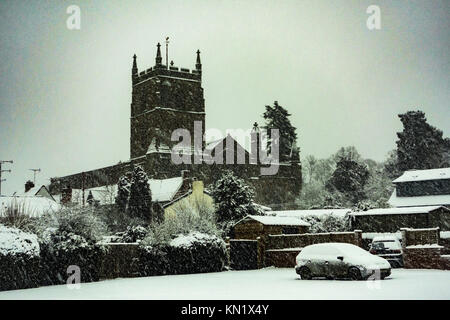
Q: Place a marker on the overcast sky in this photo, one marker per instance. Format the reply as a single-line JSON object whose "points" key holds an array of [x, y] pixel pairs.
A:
{"points": [[66, 94]]}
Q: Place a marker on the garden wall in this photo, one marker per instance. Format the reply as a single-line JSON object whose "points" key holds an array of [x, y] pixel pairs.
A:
{"points": [[423, 249]]}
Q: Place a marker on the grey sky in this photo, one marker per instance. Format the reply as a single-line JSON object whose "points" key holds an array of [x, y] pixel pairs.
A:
{"points": [[65, 95]]}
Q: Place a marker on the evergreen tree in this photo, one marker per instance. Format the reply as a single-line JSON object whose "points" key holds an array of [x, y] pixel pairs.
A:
{"points": [[278, 118], [123, 192], [233, 198], [349, 178], [420, 145], [90, 198], [140, 200]]}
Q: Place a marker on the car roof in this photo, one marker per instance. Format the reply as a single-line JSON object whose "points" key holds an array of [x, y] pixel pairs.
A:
{"points": [[332, 245], [385, 238]]}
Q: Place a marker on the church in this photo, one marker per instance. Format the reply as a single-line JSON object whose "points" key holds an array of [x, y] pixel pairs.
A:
{"points": [[166, 98]]}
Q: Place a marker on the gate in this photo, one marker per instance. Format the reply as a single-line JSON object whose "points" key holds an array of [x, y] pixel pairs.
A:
{"points": [[244, 254]]}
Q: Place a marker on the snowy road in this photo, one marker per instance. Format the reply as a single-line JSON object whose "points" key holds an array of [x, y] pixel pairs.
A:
{"points": [[270, 283]]}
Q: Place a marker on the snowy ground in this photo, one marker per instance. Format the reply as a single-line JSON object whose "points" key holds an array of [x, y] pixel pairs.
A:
{"points": [[270, 283]]}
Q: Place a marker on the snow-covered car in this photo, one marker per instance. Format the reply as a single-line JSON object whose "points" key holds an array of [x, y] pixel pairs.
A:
{"points": [[340, 260], [389, 248]]}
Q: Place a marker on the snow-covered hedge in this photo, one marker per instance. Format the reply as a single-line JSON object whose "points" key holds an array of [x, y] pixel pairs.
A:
{"points": [[192, 253], [68, 249], [19, 259]]}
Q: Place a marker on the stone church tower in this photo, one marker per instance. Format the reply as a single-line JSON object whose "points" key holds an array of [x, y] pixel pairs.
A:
{"points": [[164, 98]]}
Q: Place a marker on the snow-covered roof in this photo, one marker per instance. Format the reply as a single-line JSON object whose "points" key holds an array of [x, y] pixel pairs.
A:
{"points": [[32, 206], [277, 221], [163, 190], [37, 190], [433, 200], [405, 210], [314, 212], [423, 175], [162, 148]]}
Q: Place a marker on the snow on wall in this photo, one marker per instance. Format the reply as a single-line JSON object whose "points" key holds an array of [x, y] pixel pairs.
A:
{"points": [[372, 235], [445, 234], [14, 241], [314, 212]]}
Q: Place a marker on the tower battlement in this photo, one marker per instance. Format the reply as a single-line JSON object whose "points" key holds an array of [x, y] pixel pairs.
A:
{"points": [[172, 72], [164, 98], [163, 70]]}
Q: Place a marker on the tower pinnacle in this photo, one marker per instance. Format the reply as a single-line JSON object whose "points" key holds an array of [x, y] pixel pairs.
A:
{"points": [[198, 64], [134, 70], [158, 55]]}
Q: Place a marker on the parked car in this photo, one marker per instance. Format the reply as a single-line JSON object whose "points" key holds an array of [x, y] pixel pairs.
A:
{"points": [[389, 248], [340, 260]]}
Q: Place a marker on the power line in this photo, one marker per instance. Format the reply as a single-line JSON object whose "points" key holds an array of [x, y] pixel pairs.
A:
{"points": [[1, 171]]}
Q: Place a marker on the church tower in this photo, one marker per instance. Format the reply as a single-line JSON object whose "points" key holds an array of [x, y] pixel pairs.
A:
{"points": [[164, 98]]}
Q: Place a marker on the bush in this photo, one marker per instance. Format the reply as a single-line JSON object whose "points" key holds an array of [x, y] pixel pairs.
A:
{"points": [[131, 235], [193, 253], [69, 249], [115, 219], [69, 238], [19, 259], [327, 223], [196, 216]]}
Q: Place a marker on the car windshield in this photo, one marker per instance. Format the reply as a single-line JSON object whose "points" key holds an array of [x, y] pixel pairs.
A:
{"points": [[378, 245]]}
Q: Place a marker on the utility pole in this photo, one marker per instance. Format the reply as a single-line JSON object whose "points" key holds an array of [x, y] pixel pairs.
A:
{"points": [[1, 180], [167, 52], [34, 174]]}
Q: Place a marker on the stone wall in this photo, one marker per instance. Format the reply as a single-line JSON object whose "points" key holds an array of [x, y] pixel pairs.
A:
{"points": [[423, 249]]}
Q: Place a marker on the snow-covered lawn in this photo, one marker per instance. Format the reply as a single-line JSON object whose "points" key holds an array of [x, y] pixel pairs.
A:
{"points": [[269, 283]]}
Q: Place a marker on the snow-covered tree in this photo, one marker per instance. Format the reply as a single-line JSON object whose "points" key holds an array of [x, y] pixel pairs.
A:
{"points": [[140, 200], [278, 118], [233, 198], [420, 145], [350, 177], [123, 192]]}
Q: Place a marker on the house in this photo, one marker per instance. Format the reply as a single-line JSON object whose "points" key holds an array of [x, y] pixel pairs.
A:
{"points": [[30, 206], [168, 195], [393, 219], [32, 190], [192, 197], [422, 188], [34, 202], [252, 226]]}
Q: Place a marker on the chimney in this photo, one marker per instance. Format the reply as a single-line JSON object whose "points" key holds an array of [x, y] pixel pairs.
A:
{"points": [[28, 185], [197, 188], [187, 180], [66, 195]]}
